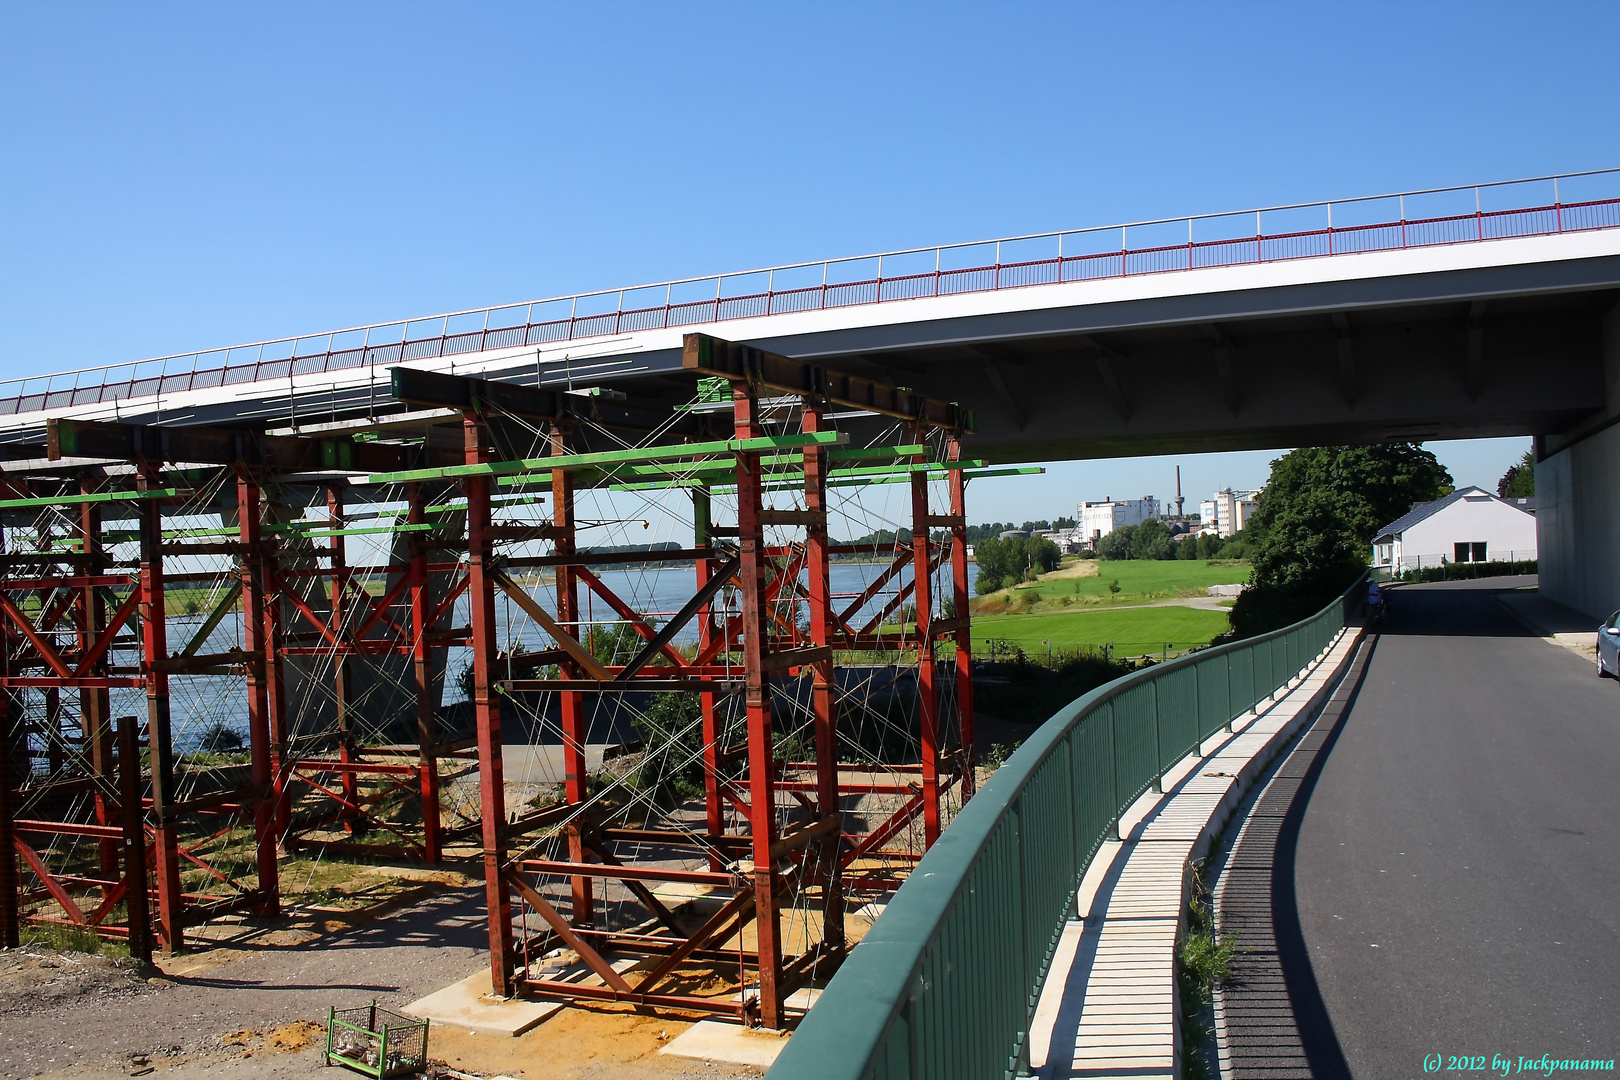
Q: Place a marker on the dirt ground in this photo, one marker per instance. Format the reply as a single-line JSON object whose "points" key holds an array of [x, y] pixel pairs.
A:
{"points": [[256, 1010]]}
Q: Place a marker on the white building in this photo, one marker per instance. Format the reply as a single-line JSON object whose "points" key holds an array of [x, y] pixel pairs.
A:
{"points": [[1469, 525], [1098, 519], [1208, 515], [1229, 511]]}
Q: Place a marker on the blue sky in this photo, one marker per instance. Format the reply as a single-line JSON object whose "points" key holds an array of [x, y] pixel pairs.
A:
{"points": [[186, 176]]}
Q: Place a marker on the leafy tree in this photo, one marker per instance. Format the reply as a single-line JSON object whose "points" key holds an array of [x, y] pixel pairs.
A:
{"points": [[1117, 544], [1043, 555], [1188, 548], [1064, 523], [1316, 518], [1520, 480], [1208, 545], [1001, 563], [1007, 562], [1151, 540]]}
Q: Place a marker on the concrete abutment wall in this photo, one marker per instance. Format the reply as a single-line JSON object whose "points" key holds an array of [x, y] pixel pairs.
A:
{"points": [[1578, 502]]}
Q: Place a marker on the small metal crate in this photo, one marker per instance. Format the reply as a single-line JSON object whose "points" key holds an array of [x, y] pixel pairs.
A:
{"points": [[376, 1042]]}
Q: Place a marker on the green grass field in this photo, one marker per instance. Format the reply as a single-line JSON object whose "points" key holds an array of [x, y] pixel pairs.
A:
{"points": [[1131, 631], [1141, 581]]}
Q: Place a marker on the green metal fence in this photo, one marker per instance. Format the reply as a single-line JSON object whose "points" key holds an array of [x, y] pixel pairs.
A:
{"points": [[945, 983]]}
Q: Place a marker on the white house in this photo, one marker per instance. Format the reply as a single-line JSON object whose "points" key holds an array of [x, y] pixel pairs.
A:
{"points": [[1098, 519], [1469, 525]]}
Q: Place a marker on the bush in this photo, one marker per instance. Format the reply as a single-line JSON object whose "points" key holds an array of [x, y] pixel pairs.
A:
{"points": [[219, 738], [1465, 571]]}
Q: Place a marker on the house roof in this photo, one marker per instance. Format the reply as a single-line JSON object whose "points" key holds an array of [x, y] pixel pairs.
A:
{"points": [[1424, 511]]}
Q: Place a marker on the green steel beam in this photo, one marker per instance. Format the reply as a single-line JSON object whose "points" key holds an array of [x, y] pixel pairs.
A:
{"points": [[936, 471], [93, 497], [613, 457]]}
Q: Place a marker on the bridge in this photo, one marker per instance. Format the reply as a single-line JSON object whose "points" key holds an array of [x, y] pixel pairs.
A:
{"points": [[1467, 312], [1476, 311]]}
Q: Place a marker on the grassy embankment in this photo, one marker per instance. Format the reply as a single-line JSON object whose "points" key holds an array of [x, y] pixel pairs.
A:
{"points": [[1074, 607]]}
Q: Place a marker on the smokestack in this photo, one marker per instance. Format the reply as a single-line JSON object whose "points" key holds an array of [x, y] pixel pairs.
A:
{"points": [[1178, 491]]}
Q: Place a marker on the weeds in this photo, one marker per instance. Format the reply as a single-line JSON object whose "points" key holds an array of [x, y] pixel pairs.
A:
{"points": [[67, 939], [1203, 962]]}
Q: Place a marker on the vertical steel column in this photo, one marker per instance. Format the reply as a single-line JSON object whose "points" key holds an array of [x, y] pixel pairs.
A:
{"points": [[342, 688], [927, 692], [155, 649], [571, 702], [427, 732], [823, 689], [95, 706], [963, 634], [714, 807], [757, 691], [486, 710], [10, 907], [250, 532], [274, 680], [135, 886]]}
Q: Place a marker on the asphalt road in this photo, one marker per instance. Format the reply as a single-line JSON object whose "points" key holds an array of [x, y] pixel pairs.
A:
{"points": [[1458, 863]]}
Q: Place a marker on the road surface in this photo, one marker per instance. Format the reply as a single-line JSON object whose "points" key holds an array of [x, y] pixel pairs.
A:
{"points": [[1458, 863]]}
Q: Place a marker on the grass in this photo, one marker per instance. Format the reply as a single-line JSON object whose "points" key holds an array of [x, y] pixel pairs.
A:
{"points": [[1131, 632], [68, 939], [1141, 581]]}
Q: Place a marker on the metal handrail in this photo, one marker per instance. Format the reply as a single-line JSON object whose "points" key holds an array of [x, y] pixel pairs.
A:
{"points": [[946, 981], [544, 322]]}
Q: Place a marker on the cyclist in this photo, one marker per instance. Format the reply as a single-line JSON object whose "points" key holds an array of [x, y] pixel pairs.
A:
{"points": [[1375, 603]]}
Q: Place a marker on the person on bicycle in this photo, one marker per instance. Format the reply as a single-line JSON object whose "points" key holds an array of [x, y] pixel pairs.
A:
{"points": [[1375, 600]]}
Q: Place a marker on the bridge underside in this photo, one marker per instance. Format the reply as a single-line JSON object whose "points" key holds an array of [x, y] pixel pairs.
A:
{"points": [[1467, 354]]}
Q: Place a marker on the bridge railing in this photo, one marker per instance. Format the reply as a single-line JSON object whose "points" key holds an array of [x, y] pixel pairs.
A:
{"points": [[1533, 207], [945, 983]]}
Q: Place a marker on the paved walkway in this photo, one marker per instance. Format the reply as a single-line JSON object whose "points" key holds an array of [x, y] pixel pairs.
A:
{"points": [[1109, 1008], [1455, 873]]}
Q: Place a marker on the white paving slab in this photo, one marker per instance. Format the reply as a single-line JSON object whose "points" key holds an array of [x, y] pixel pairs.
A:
{"points": [[1110, 1007]]}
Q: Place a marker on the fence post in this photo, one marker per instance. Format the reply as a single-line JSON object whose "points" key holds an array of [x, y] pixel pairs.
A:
{"points": [[1158, 741]]}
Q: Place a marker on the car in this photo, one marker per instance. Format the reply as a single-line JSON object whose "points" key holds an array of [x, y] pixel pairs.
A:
{"points": [[1608, 648]]}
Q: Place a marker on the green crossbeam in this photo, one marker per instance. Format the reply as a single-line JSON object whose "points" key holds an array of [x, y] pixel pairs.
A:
{"points": [[613, 457], [936, 471], [93, 497]]}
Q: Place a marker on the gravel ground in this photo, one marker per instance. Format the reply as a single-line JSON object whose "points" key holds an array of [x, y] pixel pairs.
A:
{"points": [[87, 1012], [258, 1014]]}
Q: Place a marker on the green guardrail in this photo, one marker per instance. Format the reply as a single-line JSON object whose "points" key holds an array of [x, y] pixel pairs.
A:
{"points": [[945, 983]]}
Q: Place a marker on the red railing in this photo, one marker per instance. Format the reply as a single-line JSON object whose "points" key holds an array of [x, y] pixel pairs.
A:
{"points": [[337, 352]]}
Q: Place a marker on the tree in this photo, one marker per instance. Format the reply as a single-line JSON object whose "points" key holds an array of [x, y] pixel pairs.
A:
{"points": [[1188, 548], [1043, 556], [996, 560], [1152, 541], [1007, 562], [1310, 534], [1520, 480], [1117, 544]]}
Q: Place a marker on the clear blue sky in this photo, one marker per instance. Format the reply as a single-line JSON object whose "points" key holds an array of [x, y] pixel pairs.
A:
{"points": [[185, 176]]}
